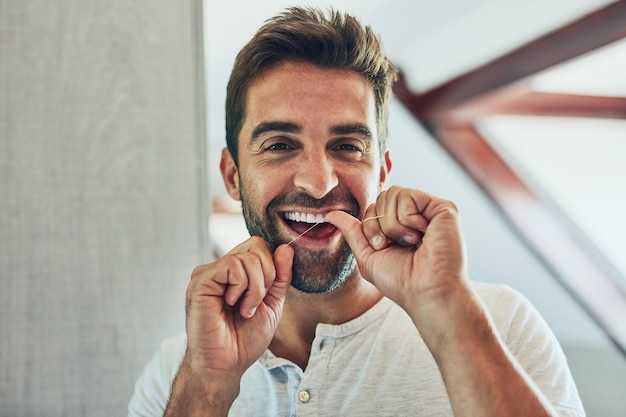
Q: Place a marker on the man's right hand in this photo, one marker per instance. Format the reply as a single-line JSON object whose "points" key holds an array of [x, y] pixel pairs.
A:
{"points": [[233, 308]]}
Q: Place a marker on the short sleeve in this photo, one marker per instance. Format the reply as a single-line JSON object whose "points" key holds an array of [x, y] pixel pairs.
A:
{"points": [[534, 345], [152, 389]]}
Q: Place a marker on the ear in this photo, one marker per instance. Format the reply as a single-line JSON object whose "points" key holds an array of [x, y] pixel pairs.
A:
{"points": [[385, 168], [230, 174]]}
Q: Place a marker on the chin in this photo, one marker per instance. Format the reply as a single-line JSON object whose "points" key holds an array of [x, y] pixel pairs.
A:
{"points": [[322, 275], [315, 288]]}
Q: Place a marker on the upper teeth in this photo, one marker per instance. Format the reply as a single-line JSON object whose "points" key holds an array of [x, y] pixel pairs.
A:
{"points": [[304, 217]]}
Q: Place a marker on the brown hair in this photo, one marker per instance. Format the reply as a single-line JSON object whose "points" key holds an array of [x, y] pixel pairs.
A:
{"points": [[334, 40]]}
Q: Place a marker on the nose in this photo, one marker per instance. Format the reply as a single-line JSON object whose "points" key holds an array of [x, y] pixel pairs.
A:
{"points": [[316, 174]]}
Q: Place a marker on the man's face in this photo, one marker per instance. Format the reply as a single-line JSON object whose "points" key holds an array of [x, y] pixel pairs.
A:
{"points": [[308, 146]]}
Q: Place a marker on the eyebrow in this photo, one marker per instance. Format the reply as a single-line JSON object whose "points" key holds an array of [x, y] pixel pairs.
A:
{"points": [[288, 127], [351, 129], [262, 128]]}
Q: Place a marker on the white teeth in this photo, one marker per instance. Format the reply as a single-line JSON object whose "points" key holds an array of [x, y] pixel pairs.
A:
{"points": [[304, 217]]}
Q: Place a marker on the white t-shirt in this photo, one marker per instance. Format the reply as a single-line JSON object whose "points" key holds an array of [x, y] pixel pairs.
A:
{"points": [[374, 365]]}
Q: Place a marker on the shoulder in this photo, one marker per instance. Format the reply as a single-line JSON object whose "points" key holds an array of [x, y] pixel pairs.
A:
{"points": [[174, 347], [534, 345], [505, 305], [518, 322], [153, 386], [493, 294]]}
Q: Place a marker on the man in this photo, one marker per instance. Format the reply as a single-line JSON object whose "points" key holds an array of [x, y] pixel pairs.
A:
{"points": [[348, 299]]}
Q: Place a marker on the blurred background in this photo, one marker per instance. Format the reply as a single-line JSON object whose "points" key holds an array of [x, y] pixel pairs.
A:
{"points": [[111, 127]]}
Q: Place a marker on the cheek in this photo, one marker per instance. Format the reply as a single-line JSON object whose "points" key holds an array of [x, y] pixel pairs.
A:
{"points": [[259, 188], [370, 186], [373, 190], [363, 189], [249, 187]]}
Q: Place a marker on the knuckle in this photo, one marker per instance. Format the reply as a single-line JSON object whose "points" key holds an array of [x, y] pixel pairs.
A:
{"points": [[198, 270], [404, 217], [452, 208], [251, 259], [250, 244], [258, 241], [231, 260]]}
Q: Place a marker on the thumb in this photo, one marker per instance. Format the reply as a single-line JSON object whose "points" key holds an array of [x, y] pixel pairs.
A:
{"points": [[352, 230], [283, 261]]}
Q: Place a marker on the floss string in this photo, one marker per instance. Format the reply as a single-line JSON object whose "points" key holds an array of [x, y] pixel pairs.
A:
{"points": [[301, 234], [307, 230], [372, 218]]}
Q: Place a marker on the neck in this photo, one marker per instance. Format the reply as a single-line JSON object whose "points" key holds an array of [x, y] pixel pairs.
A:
{"points": [[303, 312]]}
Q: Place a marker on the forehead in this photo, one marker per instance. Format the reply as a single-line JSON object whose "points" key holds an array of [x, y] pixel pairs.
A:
{"points": [[303, 93], [297, 86], [306, 70]]}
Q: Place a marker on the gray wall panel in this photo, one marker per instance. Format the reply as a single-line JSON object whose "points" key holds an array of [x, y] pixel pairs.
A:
{"points": [[101, 159]]}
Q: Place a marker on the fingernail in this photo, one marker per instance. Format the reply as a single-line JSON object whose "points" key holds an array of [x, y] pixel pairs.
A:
{"points": [[251, 312], [410, 239], [377, 240]]}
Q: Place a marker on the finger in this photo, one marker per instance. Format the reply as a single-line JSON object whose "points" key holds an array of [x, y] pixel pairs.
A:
{"points": [[371, 228], [250, 272], [410, 206], [233, 277], [439, 209], [391, 225], [352, 230], [255, 290], [283, 260], [408, 215], [403, 223]]}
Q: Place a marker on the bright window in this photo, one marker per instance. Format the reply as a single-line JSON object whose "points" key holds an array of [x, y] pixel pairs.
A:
{"points": [[579, 163]]}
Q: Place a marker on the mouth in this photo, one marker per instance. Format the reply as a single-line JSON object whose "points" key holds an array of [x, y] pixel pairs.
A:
{"points": [[300, 225]]}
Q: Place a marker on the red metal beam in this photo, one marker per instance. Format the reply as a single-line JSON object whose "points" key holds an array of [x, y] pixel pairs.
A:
{"points": [[560, 245], [520, 100], [501, 87], [589, 33]]}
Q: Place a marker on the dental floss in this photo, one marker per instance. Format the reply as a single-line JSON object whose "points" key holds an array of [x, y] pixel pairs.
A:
{"points": [[307, 230], [300, 235], [372, 218]]}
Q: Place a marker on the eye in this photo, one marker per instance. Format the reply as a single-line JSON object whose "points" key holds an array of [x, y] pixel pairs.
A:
{"points": [[349, 147], [277, 147]]}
